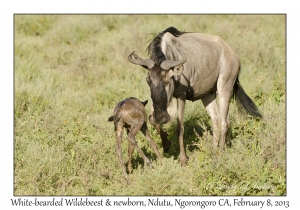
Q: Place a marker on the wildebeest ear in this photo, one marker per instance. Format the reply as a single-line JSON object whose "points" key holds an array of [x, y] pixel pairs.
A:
{"points": [[169, 64], [145, 67], [144, 102], [176, 71]]}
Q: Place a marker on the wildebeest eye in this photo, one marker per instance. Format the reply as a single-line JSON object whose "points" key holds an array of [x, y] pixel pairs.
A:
{"points": [[165, 81], [148, 80]]}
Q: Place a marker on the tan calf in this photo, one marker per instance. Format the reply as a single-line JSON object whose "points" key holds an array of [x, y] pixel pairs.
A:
{"points": [[131, 114]]}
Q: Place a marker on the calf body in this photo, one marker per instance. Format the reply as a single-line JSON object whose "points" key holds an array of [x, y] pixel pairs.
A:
{"points": [[131, 114]]}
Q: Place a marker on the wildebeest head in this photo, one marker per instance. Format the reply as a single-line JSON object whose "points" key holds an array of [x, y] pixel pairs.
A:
{"points": [[158, 79]]}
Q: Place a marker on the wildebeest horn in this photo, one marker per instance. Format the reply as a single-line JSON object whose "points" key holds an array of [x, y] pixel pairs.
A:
{"points": [[168, 64], [143, 62]]}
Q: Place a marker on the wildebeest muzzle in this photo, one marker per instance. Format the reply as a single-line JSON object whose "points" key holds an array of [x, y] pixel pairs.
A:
{"points": [[159, 117]]}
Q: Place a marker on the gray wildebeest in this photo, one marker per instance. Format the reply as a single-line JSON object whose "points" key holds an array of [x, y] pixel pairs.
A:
{"points": [[131, 114], [192, 66]]}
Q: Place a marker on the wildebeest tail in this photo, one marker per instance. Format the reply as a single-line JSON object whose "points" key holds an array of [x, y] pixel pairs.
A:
{"points": [[245, 100]]}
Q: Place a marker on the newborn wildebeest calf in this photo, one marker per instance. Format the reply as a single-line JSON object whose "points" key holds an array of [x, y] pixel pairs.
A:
{"points": [[131, 114]]}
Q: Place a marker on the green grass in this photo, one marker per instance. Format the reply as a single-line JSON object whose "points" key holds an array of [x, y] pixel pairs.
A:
{"points": [[71, 71]]}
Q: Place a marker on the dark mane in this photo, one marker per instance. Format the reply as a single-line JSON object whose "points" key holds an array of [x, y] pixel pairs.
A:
{"points": [[154, 48]]}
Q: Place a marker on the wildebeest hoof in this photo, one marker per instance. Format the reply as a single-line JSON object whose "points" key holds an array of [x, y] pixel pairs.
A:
{"points": [[129, 168], [166, 149], [183, 160], [166, 145]]}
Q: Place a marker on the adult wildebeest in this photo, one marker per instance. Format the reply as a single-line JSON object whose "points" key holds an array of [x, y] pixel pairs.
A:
{"points": [[131, 114], [192, 66]]}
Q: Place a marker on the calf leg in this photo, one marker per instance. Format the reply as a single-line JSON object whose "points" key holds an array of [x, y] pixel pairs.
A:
{"points": [[119, 131], [146, 133], [131, 138], [130, 152]]}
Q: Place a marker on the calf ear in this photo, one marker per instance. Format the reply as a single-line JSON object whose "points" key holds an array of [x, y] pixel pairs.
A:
{"points": [[144, 102]]}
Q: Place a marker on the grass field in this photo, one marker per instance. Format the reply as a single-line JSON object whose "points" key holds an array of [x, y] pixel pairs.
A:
{"points": [[71, 71]]}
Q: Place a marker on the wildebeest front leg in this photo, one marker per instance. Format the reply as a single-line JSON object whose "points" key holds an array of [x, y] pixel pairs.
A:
{"points": [[166, 143], [119, 130], [146, 133], [181, 106]]}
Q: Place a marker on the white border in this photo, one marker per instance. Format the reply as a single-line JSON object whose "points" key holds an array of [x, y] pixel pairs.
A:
{"points": [[6, 70]]}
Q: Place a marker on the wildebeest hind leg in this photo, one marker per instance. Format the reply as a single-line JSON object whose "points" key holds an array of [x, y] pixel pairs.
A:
{"points": [[225, 123], [209, 102], [181, 106], [225, 87]]}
